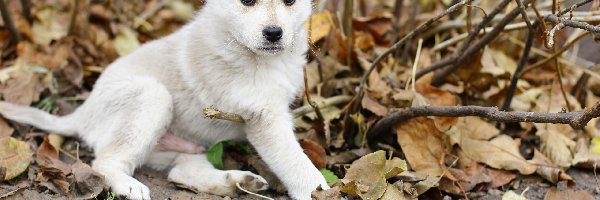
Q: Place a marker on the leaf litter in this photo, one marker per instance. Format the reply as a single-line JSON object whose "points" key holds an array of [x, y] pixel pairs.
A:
{"points": [[461, 157]]}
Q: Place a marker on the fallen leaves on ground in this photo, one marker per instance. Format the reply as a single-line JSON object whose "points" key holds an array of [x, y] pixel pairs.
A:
{"points": [[555, 194], [367, 177], [76, 180], [455, 155], [501, 153]]}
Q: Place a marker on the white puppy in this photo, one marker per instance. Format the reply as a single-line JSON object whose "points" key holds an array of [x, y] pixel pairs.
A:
{"points": [[241, 56]]}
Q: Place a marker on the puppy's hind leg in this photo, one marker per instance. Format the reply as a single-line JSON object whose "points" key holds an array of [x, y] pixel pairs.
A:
{"points": [[144, 112], [194, 170]]}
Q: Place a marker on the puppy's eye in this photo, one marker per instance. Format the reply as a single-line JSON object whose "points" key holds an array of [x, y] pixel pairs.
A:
{"points": [[289, 2], [248, 2]]}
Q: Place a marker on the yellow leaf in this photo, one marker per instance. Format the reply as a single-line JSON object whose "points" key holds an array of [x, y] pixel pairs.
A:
{"points": [[126, 41], [366, 177], [15, 157], [511, 195], [595, 146], [319, 25]]}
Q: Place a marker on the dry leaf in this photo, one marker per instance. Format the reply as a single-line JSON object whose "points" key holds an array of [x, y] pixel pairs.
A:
{"points": [[394, 167], [474, 175], [319, 25], [548, 171], [333, 193], [77, 180], [126, 41], [5, 130], [472, 127], [497, 63], [511, 195], [584, 157], [315, 152], [423, 145], [50, 147], [500, 153], [438, 97], [393, 193], [372, 105], [47, 27], [555, 194], [366, 177], [557, 147], [24, 88], [15, 157]]}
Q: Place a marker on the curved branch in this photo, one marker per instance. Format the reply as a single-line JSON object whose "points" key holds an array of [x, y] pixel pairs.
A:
{"points": [[577, 120]]}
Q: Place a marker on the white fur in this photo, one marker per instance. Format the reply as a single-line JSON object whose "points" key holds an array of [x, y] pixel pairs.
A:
{"points": [[164, 85]]}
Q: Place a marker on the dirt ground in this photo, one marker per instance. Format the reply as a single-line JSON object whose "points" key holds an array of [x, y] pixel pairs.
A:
{"points": [[163, 189]]}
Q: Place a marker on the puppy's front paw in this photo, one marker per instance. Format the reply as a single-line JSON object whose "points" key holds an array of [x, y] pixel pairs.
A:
{"points": [[303, 192], [131, 189], [247, 180]]}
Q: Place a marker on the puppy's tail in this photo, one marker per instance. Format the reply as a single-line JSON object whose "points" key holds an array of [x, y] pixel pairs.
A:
{"points": [[40, 119]]}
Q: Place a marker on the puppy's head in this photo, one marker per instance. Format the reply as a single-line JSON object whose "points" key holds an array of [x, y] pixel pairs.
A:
{"points": [[266, 27]]}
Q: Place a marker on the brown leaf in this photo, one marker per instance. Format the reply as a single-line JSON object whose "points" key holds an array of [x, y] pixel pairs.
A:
{"points": [[584, 157], [557, 147], [393, 193], [555, 194], [438, 97], [23, 88], [423, 145], [15, 157], [474, 128], [333, 193], [472, 176], [373, 105], [548, 171], [88, 183], [54, 174], [315, 152], [366, 177], [500, 153], [50, 147], [5, 130]]}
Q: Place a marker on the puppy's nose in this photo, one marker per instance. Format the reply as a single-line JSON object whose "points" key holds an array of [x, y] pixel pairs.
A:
{"points": [[273, 33]]}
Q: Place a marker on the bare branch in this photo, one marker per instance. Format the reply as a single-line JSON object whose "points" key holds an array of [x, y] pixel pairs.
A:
{"points": [[571, 23], [577, 120], [10, 25]]}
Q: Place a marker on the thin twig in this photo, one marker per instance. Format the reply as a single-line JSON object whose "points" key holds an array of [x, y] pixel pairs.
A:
{"points": [[252, 193], [15, 37], [577, 5], [572, 23], [73, 21], [310, 102], [520, 66], [26, 5], [554, 55], [577, 120], [348, 16], [213, 113]]}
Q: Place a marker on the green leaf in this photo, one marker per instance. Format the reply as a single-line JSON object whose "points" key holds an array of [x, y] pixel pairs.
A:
{"points": [[330, 177], [215, 155]]}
